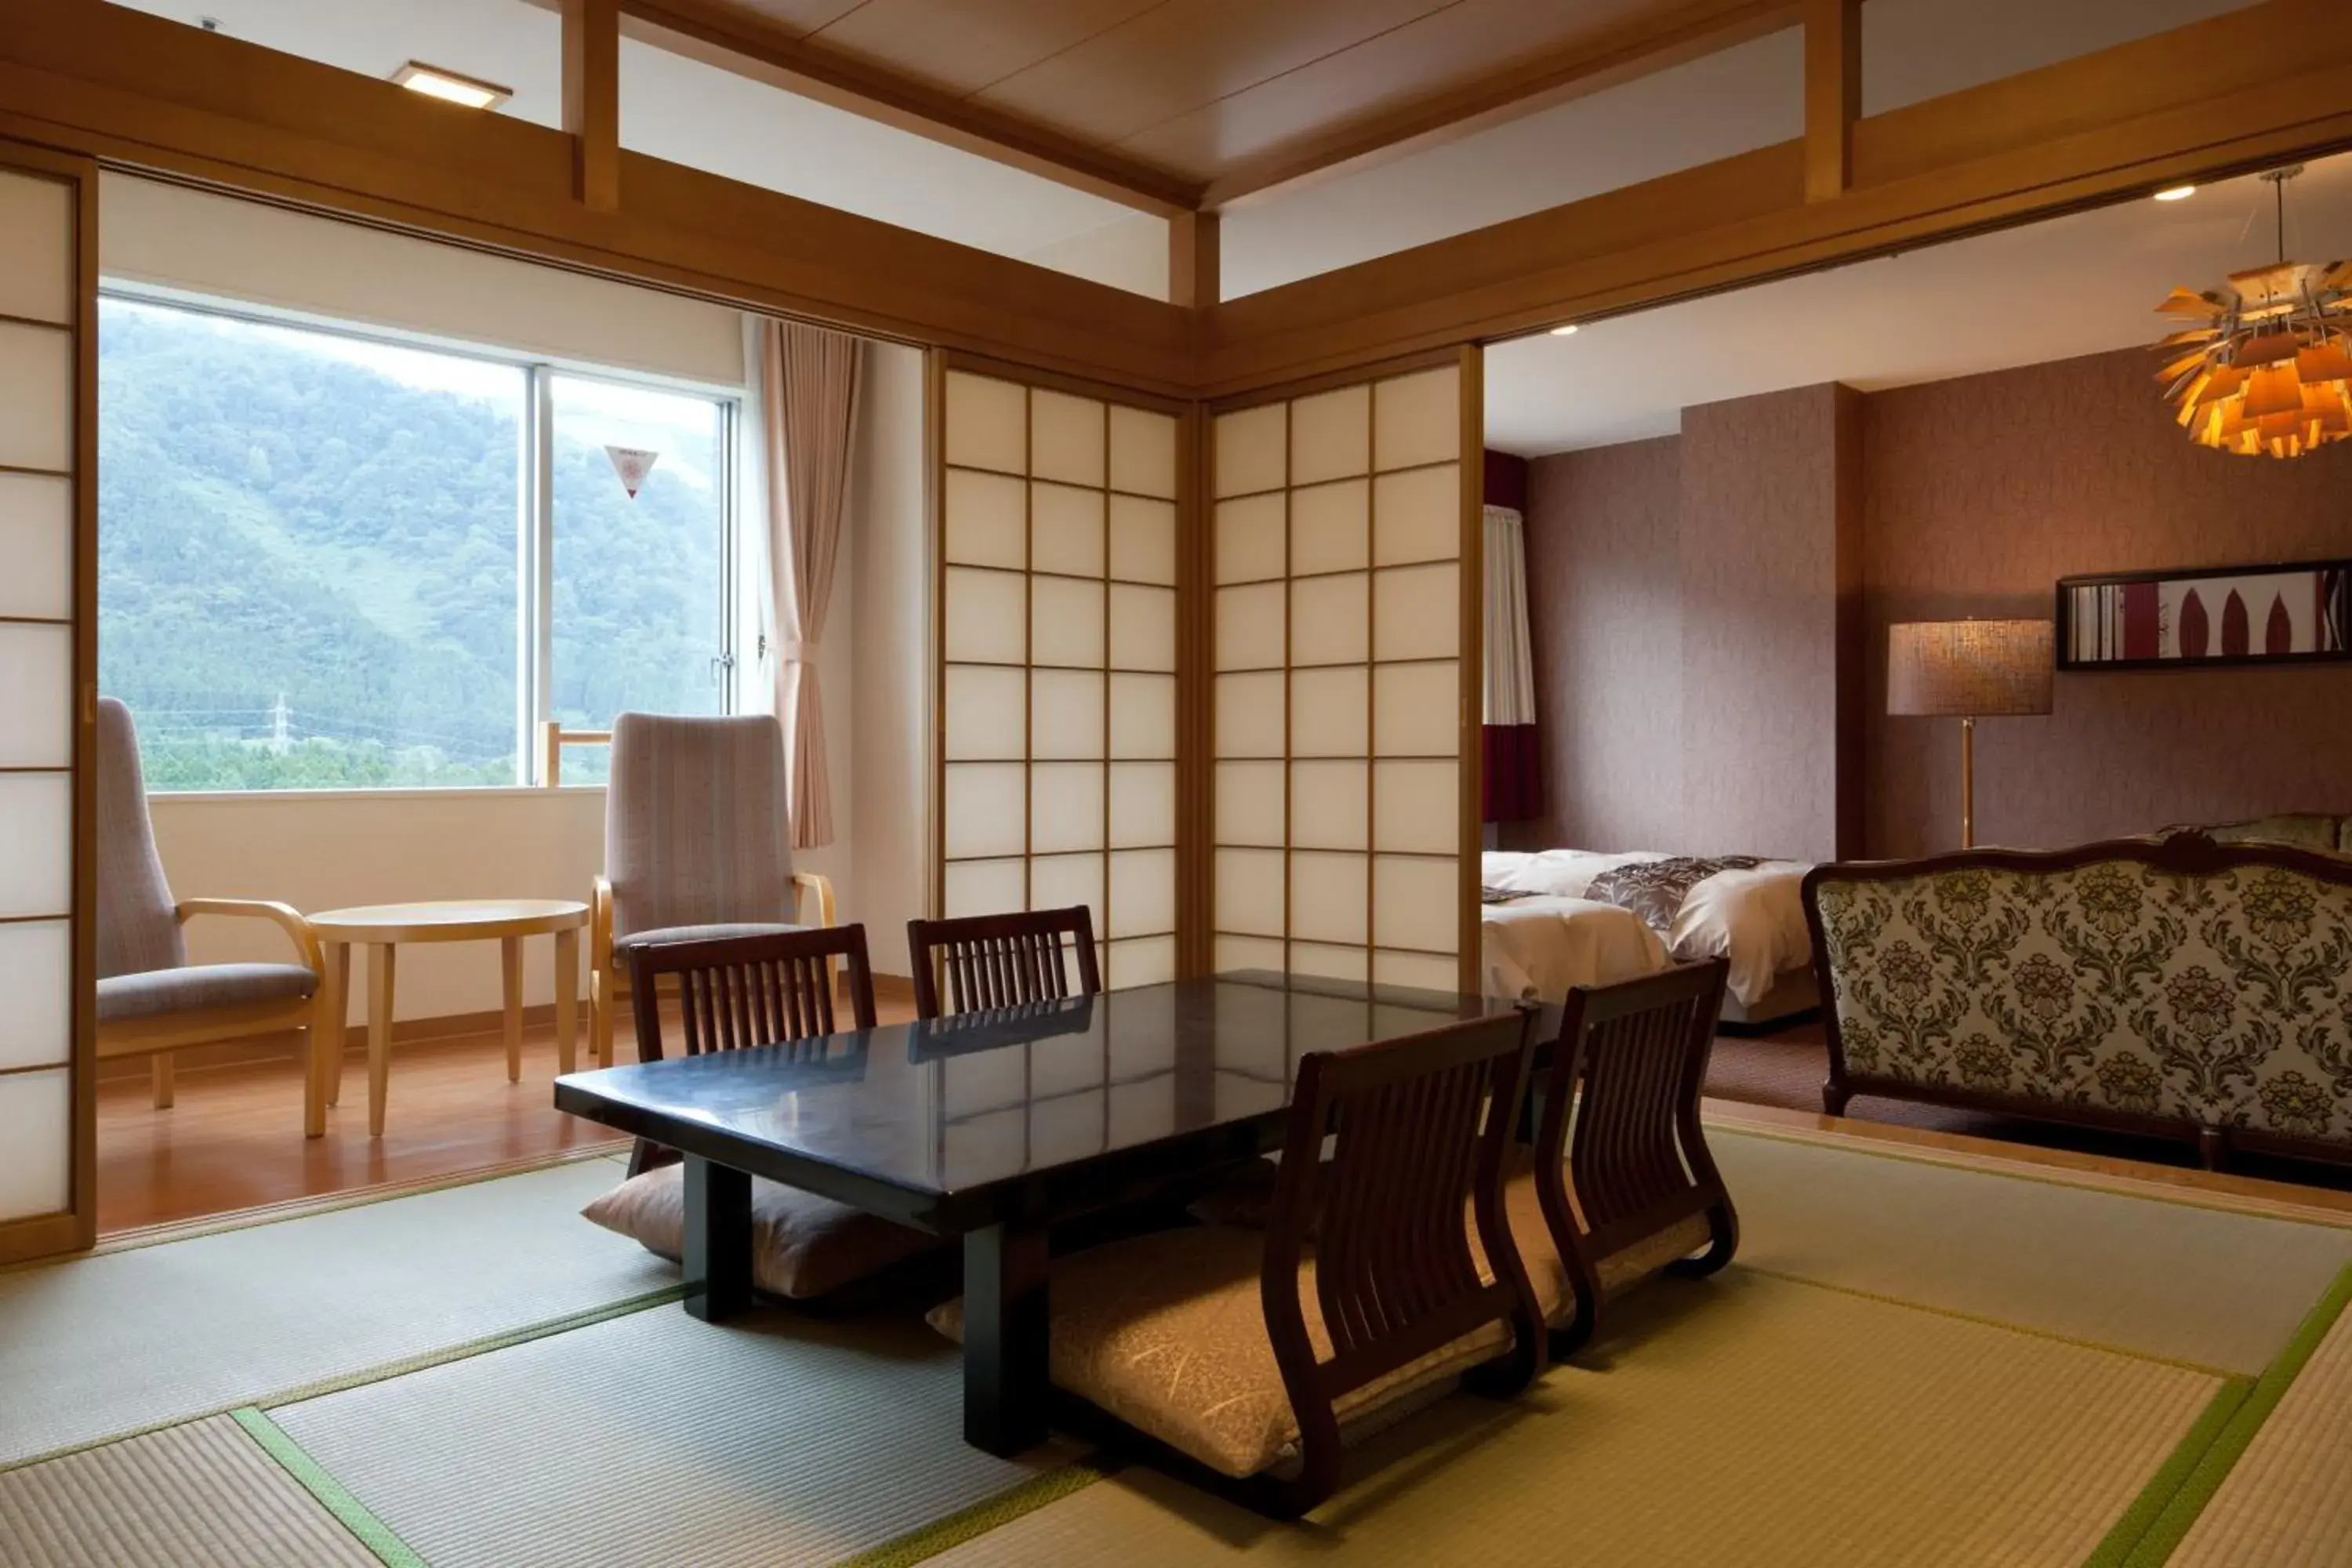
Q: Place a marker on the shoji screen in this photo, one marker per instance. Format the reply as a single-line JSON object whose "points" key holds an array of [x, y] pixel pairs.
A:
{"points": [[47, 290], [1345, 659], [1057, 631]]}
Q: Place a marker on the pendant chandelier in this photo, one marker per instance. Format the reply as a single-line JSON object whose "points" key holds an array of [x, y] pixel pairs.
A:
{"points": [[2267, 372]]}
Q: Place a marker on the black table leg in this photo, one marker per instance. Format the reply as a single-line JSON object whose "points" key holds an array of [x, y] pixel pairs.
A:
{"points": [[718, 1240], [1005, 1377]]}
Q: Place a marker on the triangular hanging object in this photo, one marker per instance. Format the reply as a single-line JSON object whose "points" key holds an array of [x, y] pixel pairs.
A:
{"points": [[633, 464]]}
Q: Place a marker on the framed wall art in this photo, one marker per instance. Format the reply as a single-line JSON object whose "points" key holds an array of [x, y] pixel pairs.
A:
{"points": [[2198, 618]]}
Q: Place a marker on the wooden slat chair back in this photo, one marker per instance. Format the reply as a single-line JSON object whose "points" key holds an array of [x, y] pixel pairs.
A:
{"points": [[1000, 960], [774, 989], [1420, 1127], [1619, 1130]]}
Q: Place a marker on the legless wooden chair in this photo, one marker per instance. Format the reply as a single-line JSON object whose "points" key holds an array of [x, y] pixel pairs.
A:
{"points": [[152, 1001], [696, 846], [1000, 960]]}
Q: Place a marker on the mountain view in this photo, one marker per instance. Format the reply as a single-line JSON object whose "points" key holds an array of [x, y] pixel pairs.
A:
{"points": [[308, 557]]}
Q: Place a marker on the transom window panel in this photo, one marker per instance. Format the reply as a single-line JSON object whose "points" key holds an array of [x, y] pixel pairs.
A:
{"points": [[1059, 612], [1341, 547]]}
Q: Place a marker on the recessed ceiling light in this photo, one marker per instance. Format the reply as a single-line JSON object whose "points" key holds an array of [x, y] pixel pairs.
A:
{"points": [[1567, 332], [2176, 192], [450, 86]]}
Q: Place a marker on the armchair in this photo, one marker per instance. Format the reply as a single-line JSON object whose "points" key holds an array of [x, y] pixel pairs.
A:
{"points": [[696, 846], [152, 1001]]}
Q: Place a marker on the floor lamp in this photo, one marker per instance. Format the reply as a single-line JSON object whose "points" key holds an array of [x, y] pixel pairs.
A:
{"points": [[1968, 670]]}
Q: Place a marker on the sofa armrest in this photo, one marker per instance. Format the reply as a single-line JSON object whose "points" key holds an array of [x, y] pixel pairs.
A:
{"points": [[805, 882]]}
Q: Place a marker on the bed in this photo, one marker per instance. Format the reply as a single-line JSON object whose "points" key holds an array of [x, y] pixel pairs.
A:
{"points": [[1559, 918]]}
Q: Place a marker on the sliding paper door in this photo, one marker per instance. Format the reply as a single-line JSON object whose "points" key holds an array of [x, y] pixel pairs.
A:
{"points": [[48, 301], [1058, 548], [1345, 651]]}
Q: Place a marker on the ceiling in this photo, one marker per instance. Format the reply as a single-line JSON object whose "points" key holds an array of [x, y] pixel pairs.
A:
{"points": [[2084, 284]]}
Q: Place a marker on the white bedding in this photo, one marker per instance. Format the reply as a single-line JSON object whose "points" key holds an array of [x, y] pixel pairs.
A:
{"points": [[1754, 918], [1534, 949]]}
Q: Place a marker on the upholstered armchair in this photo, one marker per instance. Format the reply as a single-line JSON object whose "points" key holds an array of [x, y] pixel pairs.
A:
{"points": [[152, 1001], [697, 845]]}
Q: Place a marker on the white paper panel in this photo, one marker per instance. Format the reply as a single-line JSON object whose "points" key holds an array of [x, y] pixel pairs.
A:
{"points": [[987, 712], [1065, 714], [36, 397], [1417, 709], [35, 695], [36, 541], [1062, 881], [1249, 538], [987, 422], [1331, 435], [1327, 896], [1249, 626], [1423, 970], [1417, 515], [1143, 540], [1330, 619], [1330, 962], [1417, 806], [36, 849], [1143, 960], [1143, 717], [1328, 713], [1142, 892], [1066, 437], [1066, 807], [985, 522], [1249, 891], [1419, 419], [37, 1131], [984, 888], [986, 809], [987, 616], [1249, 450], [1065, 529], [36, 992], [1066, 625], [1330, 527], [1234, 952], [1327, 808], [1142, 804], [1142, 452], [37, 248], [1142, 628], [1249, 803], [1417, 612], [1415, 903]]}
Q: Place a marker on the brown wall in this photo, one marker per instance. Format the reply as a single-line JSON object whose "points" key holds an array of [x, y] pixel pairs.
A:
{"points": [[1684, 596], [1981, 493]]}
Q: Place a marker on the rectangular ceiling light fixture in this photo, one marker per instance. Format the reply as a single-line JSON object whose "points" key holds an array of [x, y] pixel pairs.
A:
{"points": [[450, 86]]}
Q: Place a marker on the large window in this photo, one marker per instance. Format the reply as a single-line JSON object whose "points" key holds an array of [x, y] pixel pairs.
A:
{"points": [[327, 560]]}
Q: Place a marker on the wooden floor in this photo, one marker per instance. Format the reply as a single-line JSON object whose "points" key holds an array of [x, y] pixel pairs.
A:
{"points": [[233, 1141]]}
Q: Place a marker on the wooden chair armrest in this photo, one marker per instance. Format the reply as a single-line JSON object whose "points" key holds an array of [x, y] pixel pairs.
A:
{"points": [[822, 886], [285, 917], [600, 927]]}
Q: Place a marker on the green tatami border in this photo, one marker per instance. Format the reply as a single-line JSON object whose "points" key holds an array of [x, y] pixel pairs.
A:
{"points": [[2115, 1547], [976, 1520], [2180, 1512], [331, 1494]]}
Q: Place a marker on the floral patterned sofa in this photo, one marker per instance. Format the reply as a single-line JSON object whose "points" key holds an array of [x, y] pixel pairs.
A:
{"points": [[2175, 986]]}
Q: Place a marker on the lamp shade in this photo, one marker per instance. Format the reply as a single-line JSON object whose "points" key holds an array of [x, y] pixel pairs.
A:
{"points": [[1969, 669]]}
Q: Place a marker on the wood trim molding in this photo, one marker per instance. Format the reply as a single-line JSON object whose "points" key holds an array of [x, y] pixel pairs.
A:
{"points": [[1194, 261], [592, 100], [1832, 95]]}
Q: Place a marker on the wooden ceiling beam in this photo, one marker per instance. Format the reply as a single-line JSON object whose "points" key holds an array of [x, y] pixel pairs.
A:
{"points": [[1833, 94], [1194, 257], [592, 100], [1697, 29], [734, 39]]}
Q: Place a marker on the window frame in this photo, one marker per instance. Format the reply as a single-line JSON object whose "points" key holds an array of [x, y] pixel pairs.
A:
{"points": [[535, 507]]}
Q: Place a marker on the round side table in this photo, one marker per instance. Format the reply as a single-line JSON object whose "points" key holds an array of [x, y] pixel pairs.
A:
{"points": [[384, 927]]}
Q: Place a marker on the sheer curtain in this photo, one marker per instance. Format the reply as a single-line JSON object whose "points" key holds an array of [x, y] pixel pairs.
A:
{"points": [[1513, 772], [804, 422]]}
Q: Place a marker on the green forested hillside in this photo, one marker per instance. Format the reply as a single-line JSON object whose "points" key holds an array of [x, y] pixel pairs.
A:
{"points": [[307, 568]]}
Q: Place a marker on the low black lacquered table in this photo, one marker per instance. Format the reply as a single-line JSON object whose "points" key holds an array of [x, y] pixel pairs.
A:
{"points": [[994, 1127]]}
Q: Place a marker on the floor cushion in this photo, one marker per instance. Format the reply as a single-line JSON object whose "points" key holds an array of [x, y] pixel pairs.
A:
{"points": [[802, 1246]]}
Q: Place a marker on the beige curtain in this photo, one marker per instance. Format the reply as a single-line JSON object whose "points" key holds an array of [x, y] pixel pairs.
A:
{"points": [[808, 394]]}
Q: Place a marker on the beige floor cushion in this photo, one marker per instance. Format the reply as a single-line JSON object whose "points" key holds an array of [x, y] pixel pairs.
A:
{"points": [[1167, 1332], [803, 1246]]}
